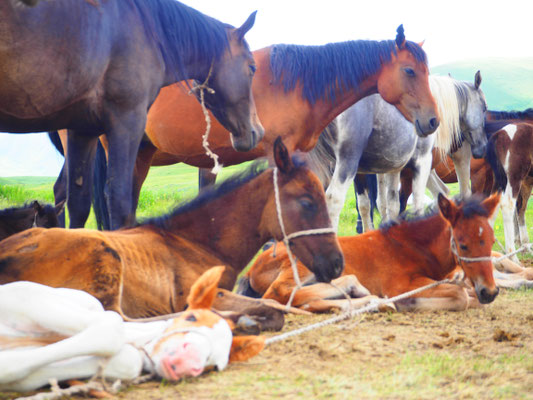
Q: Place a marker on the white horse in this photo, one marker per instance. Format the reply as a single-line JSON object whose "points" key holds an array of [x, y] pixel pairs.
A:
{"points": [[57, 333]]}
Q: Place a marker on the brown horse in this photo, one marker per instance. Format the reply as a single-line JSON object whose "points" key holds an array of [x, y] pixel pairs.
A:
{"points": [[298, 90], [34, 214], [97, 66], [396, 259], [148, 270]]}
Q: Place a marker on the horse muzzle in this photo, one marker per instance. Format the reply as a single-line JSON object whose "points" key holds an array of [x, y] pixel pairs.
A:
{"points": [[485, 295], [426, 126], [327, 268]]}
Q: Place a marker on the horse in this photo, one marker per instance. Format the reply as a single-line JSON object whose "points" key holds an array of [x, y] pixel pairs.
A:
{"points": [[102, 73], [397, 258], [64, 334], [376, 125], [148, 270], [298, 90], [18, 219]]}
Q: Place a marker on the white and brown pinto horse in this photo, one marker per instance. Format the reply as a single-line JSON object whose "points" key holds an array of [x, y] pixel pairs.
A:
{"points": [[58, 333]]}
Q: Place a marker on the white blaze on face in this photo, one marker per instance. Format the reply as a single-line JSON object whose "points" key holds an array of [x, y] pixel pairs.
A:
{"points": [[190, 345], [480, 231]]}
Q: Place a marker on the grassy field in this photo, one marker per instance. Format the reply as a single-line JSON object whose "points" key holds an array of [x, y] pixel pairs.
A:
{"points": [[478, 353]]}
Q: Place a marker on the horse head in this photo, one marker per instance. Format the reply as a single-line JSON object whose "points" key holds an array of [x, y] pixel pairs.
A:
{"points": [[232, 102], [302, 207], [472, 240], [46, 216], [200, 338], [473, 121], [403, 82]]}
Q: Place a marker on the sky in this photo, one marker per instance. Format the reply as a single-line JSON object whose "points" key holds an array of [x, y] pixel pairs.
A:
{"points": [[458, 31]]}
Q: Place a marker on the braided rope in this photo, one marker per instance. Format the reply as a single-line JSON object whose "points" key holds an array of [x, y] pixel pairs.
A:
{"points": [[372, 306], [453, 246], [205, 142]]}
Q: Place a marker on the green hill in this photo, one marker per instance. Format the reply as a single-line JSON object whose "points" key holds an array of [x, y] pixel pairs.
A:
{"points": [[506, 82]]}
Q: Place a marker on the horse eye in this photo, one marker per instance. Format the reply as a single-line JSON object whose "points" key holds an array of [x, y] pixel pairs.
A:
{"points": [[220, 294], [307, 205], [409, 71], [191, 318], [463, 247], [253, 68]]}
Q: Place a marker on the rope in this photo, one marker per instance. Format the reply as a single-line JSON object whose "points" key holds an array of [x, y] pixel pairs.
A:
{"points": [[372, 306], [453, 246], [205, 142], [286, 238]]}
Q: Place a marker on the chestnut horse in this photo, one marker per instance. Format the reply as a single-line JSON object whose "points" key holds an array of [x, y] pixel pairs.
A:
{"points": [[97, 66], [298, 90], [395, 259], [148, 269], [66, 334]]}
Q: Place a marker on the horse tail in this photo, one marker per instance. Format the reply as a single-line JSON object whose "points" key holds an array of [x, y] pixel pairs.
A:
{"points": [[99, 198], [56, 141], [245, 288], [500, 177], [321, 159]]}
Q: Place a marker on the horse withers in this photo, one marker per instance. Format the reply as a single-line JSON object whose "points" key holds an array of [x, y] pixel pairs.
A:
{"points": [[148, 270], [395, 259], [57, 333], [102, 73]]}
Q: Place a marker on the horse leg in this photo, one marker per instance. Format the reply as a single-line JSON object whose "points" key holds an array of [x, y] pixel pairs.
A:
{"points": [[80, 166], [60, 193], [461, 160], [393, 195], [140, 172], [382, 197], [420, 180], [205, 178], [443, 297], [435, 185], [507, 204], [521, 207], [363, 206], [123, 149]]}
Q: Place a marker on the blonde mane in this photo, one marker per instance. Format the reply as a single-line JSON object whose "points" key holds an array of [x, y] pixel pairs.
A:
{"points": [[448, 133]]}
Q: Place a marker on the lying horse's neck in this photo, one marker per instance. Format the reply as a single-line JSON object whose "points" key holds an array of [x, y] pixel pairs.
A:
{"points": [[429, 238], [230, 226]]}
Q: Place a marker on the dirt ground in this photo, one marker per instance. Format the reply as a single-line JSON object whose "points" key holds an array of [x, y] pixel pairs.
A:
{"points": [[481, 353]]}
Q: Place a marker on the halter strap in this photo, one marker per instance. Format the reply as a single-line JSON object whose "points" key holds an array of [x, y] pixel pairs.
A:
{"points": [[453, 247]]}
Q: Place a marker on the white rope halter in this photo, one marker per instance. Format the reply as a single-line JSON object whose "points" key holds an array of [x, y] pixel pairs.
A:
{"points": [[287, 238]]}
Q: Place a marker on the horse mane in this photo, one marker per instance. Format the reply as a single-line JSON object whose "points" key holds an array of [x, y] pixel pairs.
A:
{"points": [[324, 69], [526, 114], [449, 94], [179, 29]]}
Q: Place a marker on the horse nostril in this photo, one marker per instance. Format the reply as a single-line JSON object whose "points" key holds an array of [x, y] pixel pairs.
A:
{"points": [[433, 123]]}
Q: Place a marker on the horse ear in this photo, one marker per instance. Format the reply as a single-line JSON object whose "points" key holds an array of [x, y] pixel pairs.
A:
{"points": [[421, 43], [60, 207], [204, 290], [245, 347], [37, 206], [400, 37], [240, 32], [477, 79], [447, 208], [491, 203], [281, 157]]}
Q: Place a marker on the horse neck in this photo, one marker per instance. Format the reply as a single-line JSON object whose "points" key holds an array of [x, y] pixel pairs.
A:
{"points": [[290, 115], [229, 226], [17, 221], [430, 238]]}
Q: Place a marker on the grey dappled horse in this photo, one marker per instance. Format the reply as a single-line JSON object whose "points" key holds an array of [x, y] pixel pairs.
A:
{"points": [[372, 137]]}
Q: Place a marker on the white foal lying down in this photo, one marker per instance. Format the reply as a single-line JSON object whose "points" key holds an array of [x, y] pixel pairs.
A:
{"points": [[65, 334]]}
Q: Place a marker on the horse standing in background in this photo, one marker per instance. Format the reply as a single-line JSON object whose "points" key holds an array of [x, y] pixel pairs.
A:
{"points": [[102, 72]]}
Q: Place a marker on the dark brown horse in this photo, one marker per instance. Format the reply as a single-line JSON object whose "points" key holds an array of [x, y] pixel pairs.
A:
{"points": [[30, 215], [97, 66], [396, 259], [149, 269]]}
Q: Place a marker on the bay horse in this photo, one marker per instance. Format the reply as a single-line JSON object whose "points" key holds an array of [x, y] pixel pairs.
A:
{"points": [[298, 90], [102, 73], [148, 270], [371, 137], [395, 259], [64, 334], [30, 215]]}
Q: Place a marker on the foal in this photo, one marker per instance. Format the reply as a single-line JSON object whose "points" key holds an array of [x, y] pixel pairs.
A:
{"points": [[396, 259]]}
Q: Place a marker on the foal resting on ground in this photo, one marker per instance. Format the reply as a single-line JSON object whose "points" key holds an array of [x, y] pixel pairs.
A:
{"points": [[148, 270], [395, 259], [65, 334]]}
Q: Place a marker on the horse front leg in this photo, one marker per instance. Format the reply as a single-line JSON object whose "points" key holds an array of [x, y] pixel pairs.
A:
{"points": [[443, 297], [420, 180], [60, 193], [80, 167], [124, 138], [521, 207], [143, 162], [461, 159]]}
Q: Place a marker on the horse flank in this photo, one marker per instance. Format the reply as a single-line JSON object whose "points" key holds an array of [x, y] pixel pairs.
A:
{"points": [[324, 70]]}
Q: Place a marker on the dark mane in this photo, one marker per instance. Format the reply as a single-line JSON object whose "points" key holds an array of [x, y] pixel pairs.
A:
{"points": [[179, 29], [497, 115], [210, 193], [323, 69]]}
